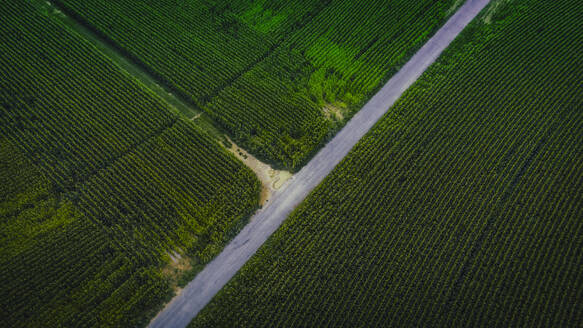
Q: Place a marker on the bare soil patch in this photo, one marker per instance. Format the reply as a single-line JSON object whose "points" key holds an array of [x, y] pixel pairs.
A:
{"points": [[175, 268], [334, 111], [271, 179]]}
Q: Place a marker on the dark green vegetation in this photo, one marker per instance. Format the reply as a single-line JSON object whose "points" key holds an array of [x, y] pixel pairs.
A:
{"points": [[271, 73], [99, 183], [462, 207]]}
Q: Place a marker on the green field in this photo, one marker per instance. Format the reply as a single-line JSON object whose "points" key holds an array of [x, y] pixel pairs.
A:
{"points": [[279, 76], [462, 207], [101, 184]]}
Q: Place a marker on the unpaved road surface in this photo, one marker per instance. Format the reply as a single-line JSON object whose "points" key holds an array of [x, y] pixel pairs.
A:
{"points": [[184, 307]]}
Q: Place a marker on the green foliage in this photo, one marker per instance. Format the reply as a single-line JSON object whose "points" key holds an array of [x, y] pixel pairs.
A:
{"points": [[99, 181], [461, 208], [263, 70]]}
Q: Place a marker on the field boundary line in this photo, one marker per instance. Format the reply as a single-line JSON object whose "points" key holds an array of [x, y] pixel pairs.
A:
{"points": [[198, 104]]}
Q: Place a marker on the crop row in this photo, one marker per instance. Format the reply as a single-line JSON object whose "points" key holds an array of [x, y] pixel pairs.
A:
{"points": [[102, 180], [461, 207], [264, 70]]}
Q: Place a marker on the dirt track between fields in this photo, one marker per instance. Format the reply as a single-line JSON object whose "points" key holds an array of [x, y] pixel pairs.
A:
{"points": [[184, 307]]}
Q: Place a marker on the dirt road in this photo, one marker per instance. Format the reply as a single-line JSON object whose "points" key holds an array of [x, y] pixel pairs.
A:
{"points": [[180, 311]]}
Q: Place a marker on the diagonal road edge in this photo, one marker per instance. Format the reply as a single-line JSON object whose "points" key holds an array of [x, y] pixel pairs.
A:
{"points": [[185, 306]]}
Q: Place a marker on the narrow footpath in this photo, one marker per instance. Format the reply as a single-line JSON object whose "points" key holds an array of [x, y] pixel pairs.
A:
{"points": [[185, 306]]}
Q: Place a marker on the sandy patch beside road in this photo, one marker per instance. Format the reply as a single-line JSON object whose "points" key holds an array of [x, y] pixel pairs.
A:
{"points": [[271, 180], [334, 111], [175, 268]]}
